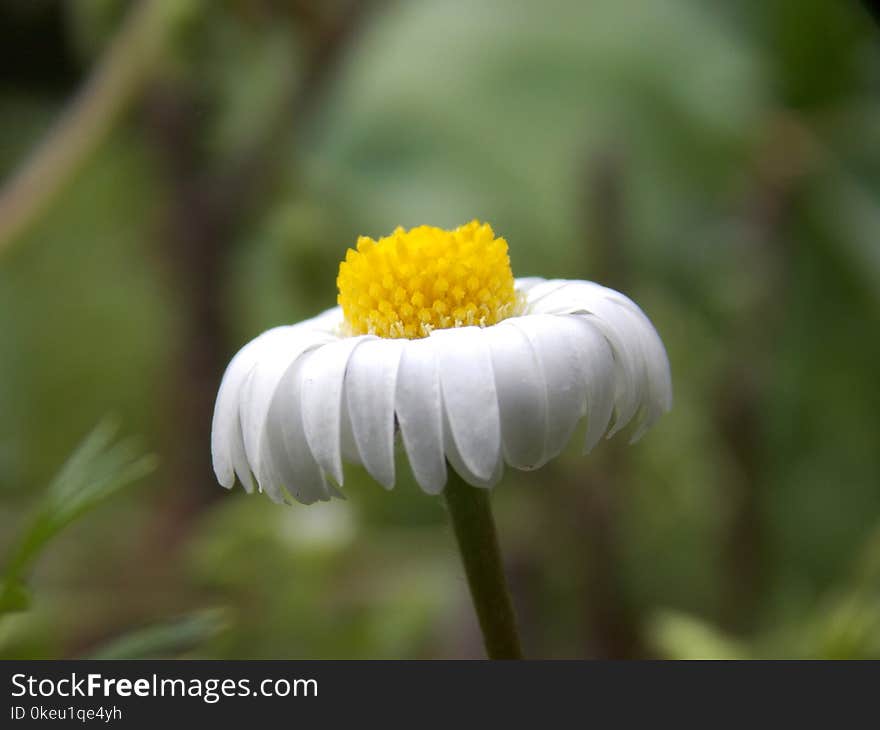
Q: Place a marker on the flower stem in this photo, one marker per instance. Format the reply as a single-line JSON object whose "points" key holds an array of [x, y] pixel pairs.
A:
{"points": [[471, 515]]}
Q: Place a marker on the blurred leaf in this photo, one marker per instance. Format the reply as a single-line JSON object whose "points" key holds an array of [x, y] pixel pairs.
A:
{"points": [[168, 639], [95, 471], [846, 625], [679, 636], [14, 597], [850, 629]]}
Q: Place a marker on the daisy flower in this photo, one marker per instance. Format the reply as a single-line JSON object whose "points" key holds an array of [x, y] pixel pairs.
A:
{"points": [[436, 345]]}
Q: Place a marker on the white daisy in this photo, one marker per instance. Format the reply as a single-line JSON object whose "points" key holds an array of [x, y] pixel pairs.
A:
{"points": [[435, 345]]}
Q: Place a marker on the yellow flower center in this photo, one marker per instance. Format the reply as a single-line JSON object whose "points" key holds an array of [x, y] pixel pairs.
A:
{"points": [[412, 282]]}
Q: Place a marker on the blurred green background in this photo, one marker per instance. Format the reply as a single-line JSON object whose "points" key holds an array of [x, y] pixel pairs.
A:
{"points": [[180, 175]]}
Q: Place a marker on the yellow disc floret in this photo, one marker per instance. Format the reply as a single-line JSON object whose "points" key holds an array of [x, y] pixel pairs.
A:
{"points": [[412, 282]]}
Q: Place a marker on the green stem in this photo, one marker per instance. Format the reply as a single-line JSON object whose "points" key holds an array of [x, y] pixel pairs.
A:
{"points": [[471, 515]]}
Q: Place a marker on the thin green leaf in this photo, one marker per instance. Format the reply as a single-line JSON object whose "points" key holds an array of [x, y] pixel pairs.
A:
{"points": [[14, 597], [95, 471], [165, 640]]}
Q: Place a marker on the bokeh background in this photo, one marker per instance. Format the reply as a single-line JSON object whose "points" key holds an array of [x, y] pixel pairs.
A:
{"points": [[179, 175]]}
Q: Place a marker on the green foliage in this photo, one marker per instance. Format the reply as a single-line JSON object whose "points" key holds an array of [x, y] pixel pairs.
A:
{"points": [[843, 624], [96, 470], [170, 639], [679, 636]]}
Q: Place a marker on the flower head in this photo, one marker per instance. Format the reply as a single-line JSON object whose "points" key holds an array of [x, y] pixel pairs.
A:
{"points": [[434, 341], [412, 282]]}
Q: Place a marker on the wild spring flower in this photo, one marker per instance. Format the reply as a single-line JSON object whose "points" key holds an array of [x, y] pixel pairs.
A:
{"points": [[434, 341]]}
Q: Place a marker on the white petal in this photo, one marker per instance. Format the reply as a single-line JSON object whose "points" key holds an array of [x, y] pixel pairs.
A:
{"points": [[656, 374], [586, 297], [346, 436], [370, 384], [227, 447], [598, 372], [329, 321], [419, 408], [557, 342], [537, 290], [458, 464], [643, 380], [240, 460], [522, 394], [259, 390], [526, 283], [286, 454], [323, 376], [469, 398], [227, 440]]}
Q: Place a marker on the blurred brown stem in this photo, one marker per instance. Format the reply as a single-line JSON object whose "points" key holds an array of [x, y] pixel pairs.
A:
{"points": [[207, 209], [613, 625], [87, 120], [781, 161]]}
